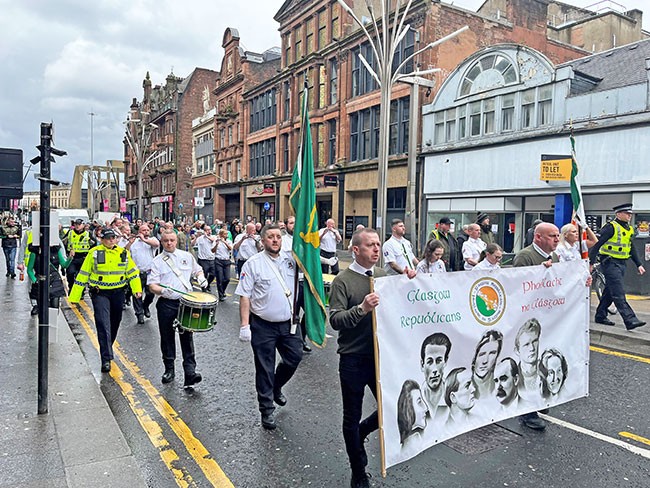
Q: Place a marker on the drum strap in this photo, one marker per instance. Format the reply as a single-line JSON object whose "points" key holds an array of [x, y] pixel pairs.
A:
{"points": [[177, 272]]}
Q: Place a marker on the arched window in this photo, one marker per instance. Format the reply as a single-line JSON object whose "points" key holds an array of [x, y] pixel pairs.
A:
{"points": [[489, 72]]}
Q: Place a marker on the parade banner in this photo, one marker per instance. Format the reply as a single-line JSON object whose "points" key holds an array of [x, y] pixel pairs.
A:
{"points": [[458, 351]]}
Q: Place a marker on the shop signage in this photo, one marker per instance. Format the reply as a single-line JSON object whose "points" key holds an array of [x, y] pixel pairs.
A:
{"points": [[555, 167], [330, 180]]}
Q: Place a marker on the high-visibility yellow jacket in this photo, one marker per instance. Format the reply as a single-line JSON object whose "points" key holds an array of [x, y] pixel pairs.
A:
{"points": [[620, 244], [106, 269], [79, 243]]}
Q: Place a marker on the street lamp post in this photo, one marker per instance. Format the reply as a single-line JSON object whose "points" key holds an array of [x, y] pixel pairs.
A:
{"points": [[139, 146], [384, 44]]}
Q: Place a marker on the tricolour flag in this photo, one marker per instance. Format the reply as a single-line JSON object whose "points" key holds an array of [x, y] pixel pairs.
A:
{"points": [[576, 197], [306, 241]]}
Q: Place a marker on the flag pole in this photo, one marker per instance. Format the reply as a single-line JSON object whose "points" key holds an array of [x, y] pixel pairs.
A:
{"points": [[382, 449]]}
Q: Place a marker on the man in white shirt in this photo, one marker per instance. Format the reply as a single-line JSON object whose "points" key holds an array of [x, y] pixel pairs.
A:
{"points": [[329, 238], [204, 241], [164, 281], [265, 306], [398, 252], [473, 247], [247, 244], [142, 248]]}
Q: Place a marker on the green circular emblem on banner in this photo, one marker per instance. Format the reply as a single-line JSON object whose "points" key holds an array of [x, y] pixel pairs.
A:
{"points": [[487, 300]]}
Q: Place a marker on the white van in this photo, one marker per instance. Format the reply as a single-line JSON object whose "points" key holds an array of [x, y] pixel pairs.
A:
{"points": [[68, 215], [105, 218]]}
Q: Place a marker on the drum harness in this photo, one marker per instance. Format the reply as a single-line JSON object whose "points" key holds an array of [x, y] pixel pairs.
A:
{"points": [[183, 281]]}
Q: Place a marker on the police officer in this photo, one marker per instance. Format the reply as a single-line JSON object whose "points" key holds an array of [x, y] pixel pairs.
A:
{"points": [[265, 306], [107, 270], [173, 270], [614, 247], [78, 242]]}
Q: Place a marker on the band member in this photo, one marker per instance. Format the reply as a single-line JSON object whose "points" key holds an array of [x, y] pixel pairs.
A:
{"points": [[171, 274], [142, 248]]}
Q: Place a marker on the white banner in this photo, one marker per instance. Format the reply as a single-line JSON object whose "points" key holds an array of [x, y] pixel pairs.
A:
{"points": [[462, 350]]}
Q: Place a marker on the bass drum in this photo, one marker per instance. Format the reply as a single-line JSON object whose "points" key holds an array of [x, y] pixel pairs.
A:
{"points": [[197, 312]]}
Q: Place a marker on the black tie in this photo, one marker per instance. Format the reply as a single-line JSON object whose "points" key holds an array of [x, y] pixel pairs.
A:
{"points": [[368, 273]]}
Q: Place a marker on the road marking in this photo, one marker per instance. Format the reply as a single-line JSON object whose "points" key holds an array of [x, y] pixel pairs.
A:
{"points": [[638, 438], [201, 455], [150, 426], [602, 437], [625, 355]]}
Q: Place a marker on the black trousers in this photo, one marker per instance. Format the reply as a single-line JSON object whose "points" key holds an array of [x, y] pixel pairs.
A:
{"points": [[266, 338], [208, 269], [222, 271], [356, 372], [139, 304], [107, 307], [74, 267], [614, 271], [167, 311], [239, 265], [326, 267]]}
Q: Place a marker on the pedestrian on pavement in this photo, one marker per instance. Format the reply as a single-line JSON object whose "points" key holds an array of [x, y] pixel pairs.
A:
{"points": [[490, 258], [10, 237], [462, 238], [247, 244], [329, 239], [473, 247], [33, 270], [78, 242], [170, 277], [451, 256], [398, 252], [205, 241], [614, 247], [108, 269], [530, 233], [483, 221], [143, 248], [222, 250], [432, 261], [265, 306], [352, 304]]}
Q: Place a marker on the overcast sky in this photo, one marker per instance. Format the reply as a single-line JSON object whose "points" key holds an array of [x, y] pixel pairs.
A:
{"points": [[63, 59]]}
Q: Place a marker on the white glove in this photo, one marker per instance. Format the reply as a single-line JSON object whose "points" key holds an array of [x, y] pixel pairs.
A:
{"points": [[203, 283], [333, 261], [245, 333]]}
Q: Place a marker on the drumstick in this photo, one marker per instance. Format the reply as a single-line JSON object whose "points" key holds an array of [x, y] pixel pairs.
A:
{"points": [[174, 289]]}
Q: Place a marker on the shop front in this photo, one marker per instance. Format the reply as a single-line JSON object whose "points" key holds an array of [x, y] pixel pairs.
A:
{"points": [[163, 207]]}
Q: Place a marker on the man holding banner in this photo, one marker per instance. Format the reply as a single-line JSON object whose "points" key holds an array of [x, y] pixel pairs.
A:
{"points": [[352, 305]]}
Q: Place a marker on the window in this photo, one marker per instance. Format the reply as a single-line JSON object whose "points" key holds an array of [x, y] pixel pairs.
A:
{"points": [[365, 134], [309, 38], [230, 135], [334, 76], [488, 116], [331, 146], [238, 166], [287, 49], [229, 172], [285, 152], [262, 158], [489, 72], [320, 145], [322, 29], [222, 138], [544, 105], [450, 116], [439, 130], [287, 100], [362, 80], [404, 50], [393, 129], [364, 131], [507, 113], [475, 119], [462, 122], [297, 43], [263, 110], [321, 87], [528, 108], [336, 21], [354, 136]]}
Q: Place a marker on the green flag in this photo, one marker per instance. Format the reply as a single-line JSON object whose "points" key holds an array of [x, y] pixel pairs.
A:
{"points": [[306, 241]]}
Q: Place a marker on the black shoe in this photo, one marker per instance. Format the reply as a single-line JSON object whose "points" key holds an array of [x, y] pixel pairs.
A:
{"points": [[305, 347], [168, 376], [147, 313], [7, 275], [532, 421], [268, 421], [13, 276], [280, 399], [106, 367], [140, 319], [634, 325], [361, 480], [222, 298], [192, 379], [34, 310], [605, 322]]}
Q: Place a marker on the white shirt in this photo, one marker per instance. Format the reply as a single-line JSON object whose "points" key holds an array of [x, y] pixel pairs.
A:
{"points": [[329, 240], [248, 248], [259, 283], [472, 249], [162, 274], [287, 245], [485, 264], [204, 247], [397, 251], [425, 267], [142, 254], [222, 251], [566, 252]]}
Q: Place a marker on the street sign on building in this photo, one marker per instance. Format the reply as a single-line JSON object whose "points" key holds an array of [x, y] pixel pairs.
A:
{"points": [[555, 168]]}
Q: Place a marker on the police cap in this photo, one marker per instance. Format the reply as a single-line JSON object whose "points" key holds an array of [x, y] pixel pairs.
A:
{"points": [[625, 207], [107, 233]]}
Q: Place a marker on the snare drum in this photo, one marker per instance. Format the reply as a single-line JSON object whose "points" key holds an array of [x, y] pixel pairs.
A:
{"points": [[327, 286], [197, 312]]}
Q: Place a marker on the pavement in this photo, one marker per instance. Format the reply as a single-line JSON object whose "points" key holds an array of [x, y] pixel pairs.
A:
{"points": [[78, 442]]}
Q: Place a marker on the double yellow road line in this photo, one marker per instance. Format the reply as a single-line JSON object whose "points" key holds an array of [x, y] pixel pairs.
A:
{"points": [[152, 428]]}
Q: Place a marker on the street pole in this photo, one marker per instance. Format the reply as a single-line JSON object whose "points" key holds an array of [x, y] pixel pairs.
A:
{"points": [[91, 199]]}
